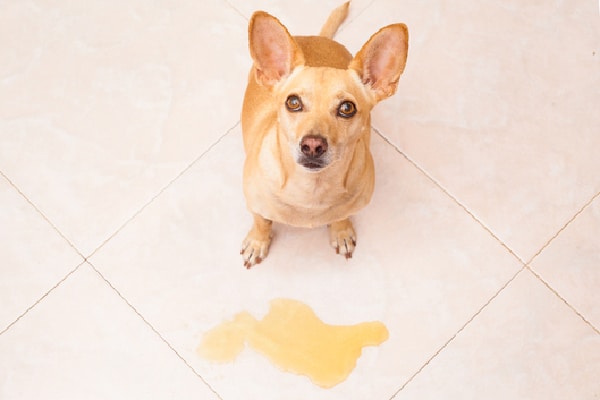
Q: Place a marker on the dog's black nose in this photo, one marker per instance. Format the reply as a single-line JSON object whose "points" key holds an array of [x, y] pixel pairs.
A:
{"points": [[313, 146]]}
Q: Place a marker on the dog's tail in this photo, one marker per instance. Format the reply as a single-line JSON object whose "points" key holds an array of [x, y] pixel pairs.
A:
{"points": [[335, 20]]}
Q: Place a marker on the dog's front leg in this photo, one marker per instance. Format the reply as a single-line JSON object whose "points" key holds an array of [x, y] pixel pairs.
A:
{"points": [[256, 245], [342, 237]]}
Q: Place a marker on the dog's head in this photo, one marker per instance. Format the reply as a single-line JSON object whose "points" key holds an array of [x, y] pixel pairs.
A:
{"points": [[324, 111]]}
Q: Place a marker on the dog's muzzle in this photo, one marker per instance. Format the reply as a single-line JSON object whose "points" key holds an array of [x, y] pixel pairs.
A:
{"points": [[313, 152]]}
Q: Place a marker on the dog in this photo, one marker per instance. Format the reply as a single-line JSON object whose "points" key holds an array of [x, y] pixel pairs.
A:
{"points": [[306, 127]]}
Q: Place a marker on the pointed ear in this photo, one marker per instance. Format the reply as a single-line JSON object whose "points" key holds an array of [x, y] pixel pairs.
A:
{"points": [[274, 51], [381, 60]]}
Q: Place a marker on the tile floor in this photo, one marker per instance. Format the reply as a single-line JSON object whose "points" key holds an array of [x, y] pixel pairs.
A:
{"points": [[121, 209]]}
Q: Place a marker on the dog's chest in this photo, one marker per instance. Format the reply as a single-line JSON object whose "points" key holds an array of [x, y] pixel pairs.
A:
{"points": [[307, 201], [313, 191], [303, 199]]}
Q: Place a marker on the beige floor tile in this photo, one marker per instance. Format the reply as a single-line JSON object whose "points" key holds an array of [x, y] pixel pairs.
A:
{"points": [[83, 341], [102, 104], [526, 345]]}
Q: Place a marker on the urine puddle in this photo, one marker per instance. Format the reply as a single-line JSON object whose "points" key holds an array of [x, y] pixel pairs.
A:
{"points": [[292, 337]]}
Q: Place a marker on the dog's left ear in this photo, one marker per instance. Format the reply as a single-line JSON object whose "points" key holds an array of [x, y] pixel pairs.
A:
{"points": [[273, 49], [381, 60]]}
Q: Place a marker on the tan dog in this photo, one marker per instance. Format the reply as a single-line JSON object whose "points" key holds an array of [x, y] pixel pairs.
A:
{"points": [[306, 126]]}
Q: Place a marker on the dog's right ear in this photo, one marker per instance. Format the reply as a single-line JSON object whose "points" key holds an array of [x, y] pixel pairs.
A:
{"points": [[274, 51]]}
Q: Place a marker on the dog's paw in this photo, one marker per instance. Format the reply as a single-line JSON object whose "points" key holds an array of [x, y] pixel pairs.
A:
{"points": [[256, 245], [254, 250], [342, 237]]}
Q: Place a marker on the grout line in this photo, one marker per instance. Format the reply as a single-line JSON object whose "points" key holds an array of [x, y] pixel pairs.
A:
{"points": [[161, 191], [581, 210], [54, 227], [543, 281], [153, 329], [234, 8], [443, 189], [85, 259], [486, 228], [462, 328], [555, 292], [346, 23], [60, 282], [526, 265], [350, 21]]}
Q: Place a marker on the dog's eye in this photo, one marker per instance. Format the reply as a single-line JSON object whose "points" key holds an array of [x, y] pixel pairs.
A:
{"points": [[293, 103], [347, 109]]}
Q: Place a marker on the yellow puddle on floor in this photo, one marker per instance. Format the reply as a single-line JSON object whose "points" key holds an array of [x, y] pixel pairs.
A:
{"points": [[295, 340]]}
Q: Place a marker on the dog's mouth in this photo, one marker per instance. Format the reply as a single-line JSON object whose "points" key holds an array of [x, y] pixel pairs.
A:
{"points": [[312, 164]]}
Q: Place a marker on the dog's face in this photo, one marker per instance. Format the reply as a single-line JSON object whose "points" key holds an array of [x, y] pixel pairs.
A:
{"points": [[322, 113]]}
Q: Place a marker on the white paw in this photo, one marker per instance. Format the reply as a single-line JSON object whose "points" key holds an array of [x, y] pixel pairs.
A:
{"points": [[254, 250], [343, 238]]}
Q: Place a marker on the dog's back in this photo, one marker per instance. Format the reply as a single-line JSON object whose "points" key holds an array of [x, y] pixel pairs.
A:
{"points": [[322, 51]]}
